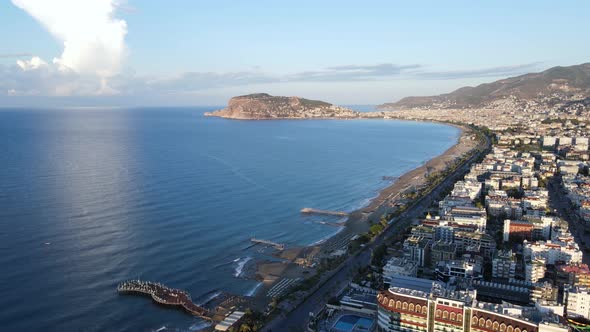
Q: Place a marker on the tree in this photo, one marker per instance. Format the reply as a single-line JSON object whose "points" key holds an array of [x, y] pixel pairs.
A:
{"points": [[376, 229], [378, 255]]}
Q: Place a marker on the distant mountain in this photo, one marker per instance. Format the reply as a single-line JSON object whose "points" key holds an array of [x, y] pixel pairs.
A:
{"points": [[262, 106], [552, 86]]}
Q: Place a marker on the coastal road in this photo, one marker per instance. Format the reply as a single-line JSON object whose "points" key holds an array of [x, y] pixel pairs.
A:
{"points": [[298, 318]]}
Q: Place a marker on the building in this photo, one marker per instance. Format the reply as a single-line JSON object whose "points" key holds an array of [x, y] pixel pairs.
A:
{"points": [[444, 233], [553, 251], [424, 231], [518, 230], [549, 141], [459, 269], [468, 216], [535, 269], [504, 265], [399, 266], [577, 302], [513, 291], [485, 242], [422, 305], [442, 251], [417, 249], [426, 306], [573, 275]]}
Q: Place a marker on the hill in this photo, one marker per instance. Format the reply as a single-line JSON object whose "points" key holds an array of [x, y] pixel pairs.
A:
{"points": [[553, 86], [262, 106]]}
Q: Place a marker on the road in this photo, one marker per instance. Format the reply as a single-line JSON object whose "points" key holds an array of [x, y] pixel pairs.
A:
{"points": [[298, 318]]}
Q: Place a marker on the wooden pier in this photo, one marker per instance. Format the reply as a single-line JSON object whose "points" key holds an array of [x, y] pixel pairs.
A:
{"points": [[324, 212], [278, 246], [164, 295]]}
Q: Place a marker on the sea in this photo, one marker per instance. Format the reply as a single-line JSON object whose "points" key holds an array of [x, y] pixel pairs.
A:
{"points": [[90, 197]]}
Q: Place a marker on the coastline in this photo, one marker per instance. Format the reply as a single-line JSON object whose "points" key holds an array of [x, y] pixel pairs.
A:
{"points": [[359, 220]]}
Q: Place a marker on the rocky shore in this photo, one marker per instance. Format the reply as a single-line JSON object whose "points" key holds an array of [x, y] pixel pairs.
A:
{"points": [[262, 106]]}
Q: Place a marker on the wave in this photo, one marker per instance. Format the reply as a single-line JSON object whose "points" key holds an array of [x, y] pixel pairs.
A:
{"points": [[252, 292], [325, 238], [240, 267], [226, 263], [199, 326], [213, 294]]}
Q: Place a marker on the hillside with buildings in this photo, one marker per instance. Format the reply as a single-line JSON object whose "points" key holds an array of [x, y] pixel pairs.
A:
{"points": [[262, 106], [553, 88]]}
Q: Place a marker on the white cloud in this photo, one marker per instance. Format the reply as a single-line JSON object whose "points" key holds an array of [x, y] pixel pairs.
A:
{"points": [[93, 39], [35, 63]]}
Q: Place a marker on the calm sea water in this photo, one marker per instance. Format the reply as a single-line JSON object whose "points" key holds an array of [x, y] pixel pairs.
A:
{"points": [[91, 197]]}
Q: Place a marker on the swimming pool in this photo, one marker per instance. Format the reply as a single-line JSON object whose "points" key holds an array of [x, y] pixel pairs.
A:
{"points": [[349, 323]]}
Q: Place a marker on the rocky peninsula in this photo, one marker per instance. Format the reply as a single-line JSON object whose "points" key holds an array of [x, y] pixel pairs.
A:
{"points": [[262, 106]]}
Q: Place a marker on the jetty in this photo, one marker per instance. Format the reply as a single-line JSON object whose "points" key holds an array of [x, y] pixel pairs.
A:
{"points": [[164, 295], [324, 212], [278, 246]]}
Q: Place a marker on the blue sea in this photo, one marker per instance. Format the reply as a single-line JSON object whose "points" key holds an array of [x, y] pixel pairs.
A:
{"points": [[91, 197]]}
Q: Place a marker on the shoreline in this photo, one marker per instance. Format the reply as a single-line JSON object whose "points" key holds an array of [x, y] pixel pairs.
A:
{"points": [[359, 220]]}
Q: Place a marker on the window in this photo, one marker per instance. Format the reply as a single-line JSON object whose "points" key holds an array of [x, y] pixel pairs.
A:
{"points": [[517, 330], [424, 310], [438, 313], [418, 308], [495, 326], [489, 324], [405, 306], [459, 317], [482, 322], [509, 329], [473, 320], [398, 304], [445, 315], [502, 327], [452, 316], [411, 307]]}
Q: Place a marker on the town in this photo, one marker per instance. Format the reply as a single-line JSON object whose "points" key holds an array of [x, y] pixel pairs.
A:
{"points": [[505, 250]]}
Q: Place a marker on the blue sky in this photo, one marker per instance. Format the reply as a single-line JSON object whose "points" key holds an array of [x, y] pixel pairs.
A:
{"points": [[347, 52]]}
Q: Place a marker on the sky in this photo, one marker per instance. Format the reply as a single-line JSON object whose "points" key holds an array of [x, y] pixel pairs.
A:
{"points": [[183, 52]]}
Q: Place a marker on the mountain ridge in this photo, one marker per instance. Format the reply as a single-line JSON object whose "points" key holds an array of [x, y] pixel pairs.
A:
{"points": [[553, 85]]}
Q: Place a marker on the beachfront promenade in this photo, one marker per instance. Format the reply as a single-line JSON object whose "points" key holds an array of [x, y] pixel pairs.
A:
{"points": [[298, 318], [164, 295]]}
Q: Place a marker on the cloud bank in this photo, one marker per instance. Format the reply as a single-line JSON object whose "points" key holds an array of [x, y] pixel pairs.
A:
{"points": [[93, 39], [36, 77]]}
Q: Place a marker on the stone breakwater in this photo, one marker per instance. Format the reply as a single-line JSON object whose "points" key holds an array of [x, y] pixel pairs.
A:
{"points": [[164, 295]]}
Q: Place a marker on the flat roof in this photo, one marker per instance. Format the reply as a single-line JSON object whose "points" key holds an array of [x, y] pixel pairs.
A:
{"points": [[229, 321]]}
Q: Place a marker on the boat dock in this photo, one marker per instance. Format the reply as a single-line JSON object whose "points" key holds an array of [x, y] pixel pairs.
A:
{"points": [[324, 212], [164, 295], [278, 246]]}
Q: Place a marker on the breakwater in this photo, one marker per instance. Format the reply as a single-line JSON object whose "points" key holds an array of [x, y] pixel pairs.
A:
{"points": [[164, 295]]}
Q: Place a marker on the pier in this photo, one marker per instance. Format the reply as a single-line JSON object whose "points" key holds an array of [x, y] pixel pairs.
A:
{"points": [[324, 212], [278, 246], [164, 295]]}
